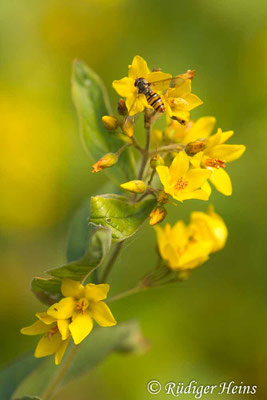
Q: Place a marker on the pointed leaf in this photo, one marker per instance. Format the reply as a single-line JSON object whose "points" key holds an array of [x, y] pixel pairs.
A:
{"points": [[91, 101], [48, 291], [119, 214]]}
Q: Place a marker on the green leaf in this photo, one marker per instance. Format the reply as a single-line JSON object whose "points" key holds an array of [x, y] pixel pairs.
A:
{"points": [[124, 337], [119, 214], [78, 233], [91, 101], [48, 291], [98, 246], [15, 373]]}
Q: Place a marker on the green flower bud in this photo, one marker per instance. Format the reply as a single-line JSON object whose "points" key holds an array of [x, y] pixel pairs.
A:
{"points": [[155, 161]]}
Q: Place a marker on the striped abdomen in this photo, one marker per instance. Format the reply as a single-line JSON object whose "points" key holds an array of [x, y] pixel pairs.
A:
{"points": [[155, 101]]}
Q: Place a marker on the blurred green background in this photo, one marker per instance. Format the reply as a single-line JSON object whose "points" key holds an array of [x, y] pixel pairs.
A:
{"points": [[211, 328]]}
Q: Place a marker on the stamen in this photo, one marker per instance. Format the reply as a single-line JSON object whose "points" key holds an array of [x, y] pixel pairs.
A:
{"points": [[215, 163], [82, 305], [181, 184]]}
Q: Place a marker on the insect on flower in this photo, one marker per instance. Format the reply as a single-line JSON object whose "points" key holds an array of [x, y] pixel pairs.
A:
{"points": [[153, 98], [144, 89]]}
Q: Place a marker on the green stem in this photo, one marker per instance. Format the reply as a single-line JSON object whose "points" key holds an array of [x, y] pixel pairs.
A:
{"points": [[54, 384], [118, 152], [126, 293], [111, 261], [171, 147], [146, 152]]}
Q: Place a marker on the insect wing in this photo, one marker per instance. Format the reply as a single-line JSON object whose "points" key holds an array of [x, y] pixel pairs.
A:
{"points": [[170, 82]]}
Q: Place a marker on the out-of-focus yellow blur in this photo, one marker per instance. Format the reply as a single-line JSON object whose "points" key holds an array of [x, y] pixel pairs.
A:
{"points": [[211, 328]]}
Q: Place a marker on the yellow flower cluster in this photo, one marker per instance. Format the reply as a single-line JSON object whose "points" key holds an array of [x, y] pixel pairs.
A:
{"points": [[72, 316], [178, 101], [186, 247], [207, 151]]}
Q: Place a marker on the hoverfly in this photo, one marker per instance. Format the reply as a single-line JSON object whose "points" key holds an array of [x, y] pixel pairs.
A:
{"points": [[149, 90]]}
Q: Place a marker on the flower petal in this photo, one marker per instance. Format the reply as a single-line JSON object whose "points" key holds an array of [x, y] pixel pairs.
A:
{"points": [[209, 226], [193, 101], [161, 79], [179, 166], [124, 87], [196, 254], [138, 69], [96, 292], [45, 318], [48, 345], [71, 288], [181, 90], [196, 177], [136, 103], [61, 350], [227, 152], [63, 327], [37, 328], [164, 175], [202, 128], [207, 188], [198, 194], [102, 314], [62, 310], [225, 136], [221, 180], [80, 327]]}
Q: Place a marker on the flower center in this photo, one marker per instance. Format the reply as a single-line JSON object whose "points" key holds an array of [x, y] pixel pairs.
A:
{"points": [[215, 163], [181, 184], [52, 332], [82, 305]]}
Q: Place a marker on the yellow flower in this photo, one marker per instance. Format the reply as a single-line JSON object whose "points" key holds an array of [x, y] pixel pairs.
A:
{"points": [[81, 305], [56, 338], [209, 226], [216, 155], [179, 249], [125, 87], [179, 101], [181, 182]]}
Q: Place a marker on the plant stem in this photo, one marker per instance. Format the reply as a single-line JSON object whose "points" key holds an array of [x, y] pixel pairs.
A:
{"points": [[54, 384], [111, 261], [118, 152], [126, 293], [146, 152], [171, 147]]}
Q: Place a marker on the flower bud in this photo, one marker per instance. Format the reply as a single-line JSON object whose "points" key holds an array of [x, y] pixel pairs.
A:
{"points": [[122, 109], [157, 215], [193, 148], [134, 186], [108, 160], [162, 197], [128, 127], [110, 122], [155, 161]]}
